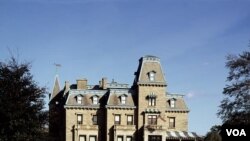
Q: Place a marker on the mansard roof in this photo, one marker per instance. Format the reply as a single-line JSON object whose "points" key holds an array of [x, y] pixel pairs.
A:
{"points": [[114, 99], [148, 64], [180, 104], [87, 97]]}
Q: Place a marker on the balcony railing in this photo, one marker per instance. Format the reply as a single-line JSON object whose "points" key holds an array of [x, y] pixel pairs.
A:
{"points": [[154, 127], [87, 127], [124, 127]]}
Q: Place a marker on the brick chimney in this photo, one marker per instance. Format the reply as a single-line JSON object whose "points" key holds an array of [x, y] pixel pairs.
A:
{"points": [[81, 84], [104, 83]]}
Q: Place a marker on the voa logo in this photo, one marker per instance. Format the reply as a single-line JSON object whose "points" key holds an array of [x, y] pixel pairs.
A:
{"points": [[236, 132]]}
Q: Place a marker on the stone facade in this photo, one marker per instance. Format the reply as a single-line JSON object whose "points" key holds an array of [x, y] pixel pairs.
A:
{"points": [[116, 112]]}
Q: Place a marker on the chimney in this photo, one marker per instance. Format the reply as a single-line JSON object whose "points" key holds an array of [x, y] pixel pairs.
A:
{"points": [[100, 84], [104, 83], [81, 84]]}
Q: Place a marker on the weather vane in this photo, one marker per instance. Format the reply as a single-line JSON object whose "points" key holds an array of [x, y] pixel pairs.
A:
{"points": [[57, 67]]}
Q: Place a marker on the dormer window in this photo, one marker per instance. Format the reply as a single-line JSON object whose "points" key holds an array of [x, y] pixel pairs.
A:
{"points": [[95, 100], [123, 99], [151, 76], [79, 99], [172, 103]]}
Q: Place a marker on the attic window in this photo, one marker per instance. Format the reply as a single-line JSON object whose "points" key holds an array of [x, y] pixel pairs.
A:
{"points": [[123, 99], [79, 99], [95, 100], [172, 103], [151, 76]]}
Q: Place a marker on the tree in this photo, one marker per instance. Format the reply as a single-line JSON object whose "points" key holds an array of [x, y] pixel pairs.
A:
{"points": [[214, 134], [21, 102], [235, 107]]}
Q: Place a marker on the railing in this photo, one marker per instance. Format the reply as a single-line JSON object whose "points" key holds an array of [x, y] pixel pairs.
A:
{"points": [[88, 127], [124, 127], [154, 127]]}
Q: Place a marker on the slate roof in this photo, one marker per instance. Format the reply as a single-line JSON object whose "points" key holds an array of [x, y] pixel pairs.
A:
{"points": [[114, 99], [180, 104]]}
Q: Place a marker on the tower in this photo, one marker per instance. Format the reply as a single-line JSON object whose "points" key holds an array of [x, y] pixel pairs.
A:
{"points": [[150, 85]]}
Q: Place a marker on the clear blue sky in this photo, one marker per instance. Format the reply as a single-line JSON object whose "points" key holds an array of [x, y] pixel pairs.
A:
{"points": [[96, 38]]}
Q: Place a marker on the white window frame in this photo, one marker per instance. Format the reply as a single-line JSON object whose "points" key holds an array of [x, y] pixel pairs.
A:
{"points": [[172, 103], [129, 138], [95, 100], [79, 119], [151, 76], [172, 121], [152, 101], [79, 99], [117, 119], [92, 137], [123, 99], [130, 120]]}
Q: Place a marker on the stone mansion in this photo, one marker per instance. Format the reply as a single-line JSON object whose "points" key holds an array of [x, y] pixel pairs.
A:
{"points": [[112, 111]]}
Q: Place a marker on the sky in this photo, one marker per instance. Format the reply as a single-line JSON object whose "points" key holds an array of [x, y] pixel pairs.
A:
{"points": [[106, 38]]}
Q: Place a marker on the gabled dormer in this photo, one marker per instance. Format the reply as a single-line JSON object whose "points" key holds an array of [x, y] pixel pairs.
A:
{"points": [[149, 71], [79, 99], [95, 99], [123, 98]]}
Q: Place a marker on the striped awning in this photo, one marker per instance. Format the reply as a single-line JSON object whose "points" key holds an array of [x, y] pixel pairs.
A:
{"points": [[182, 135]]}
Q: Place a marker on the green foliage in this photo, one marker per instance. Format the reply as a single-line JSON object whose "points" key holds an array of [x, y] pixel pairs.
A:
{"points": [[235, 107], [213, 136], [21, 103]]}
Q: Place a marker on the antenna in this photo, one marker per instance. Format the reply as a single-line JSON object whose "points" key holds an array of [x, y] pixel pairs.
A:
{"points": [[57, 67]]}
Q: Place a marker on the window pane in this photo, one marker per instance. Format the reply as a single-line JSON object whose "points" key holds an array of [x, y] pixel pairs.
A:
{"points": [[117, 119], [82, 138], [79, 119], [129, 138], [79, 99], [119, 138], [172, 122], [92, 138], [94, 119], [172, 103], [129, 118]]}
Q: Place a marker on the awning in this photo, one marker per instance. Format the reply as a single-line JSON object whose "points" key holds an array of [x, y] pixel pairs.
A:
{"points": [[182, 135]]}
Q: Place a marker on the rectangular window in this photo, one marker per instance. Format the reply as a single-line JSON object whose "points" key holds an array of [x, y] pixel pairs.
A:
{"points": [[120, 138], [94, 119], [117, 119], [92, 138], [82, 138], [152, 101], [152, 120], [172, 103], [123, 100], [129, 138], [172, 122], [152, 76], [129, 120], [79, 100], [79, 118], [95, 100]]}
